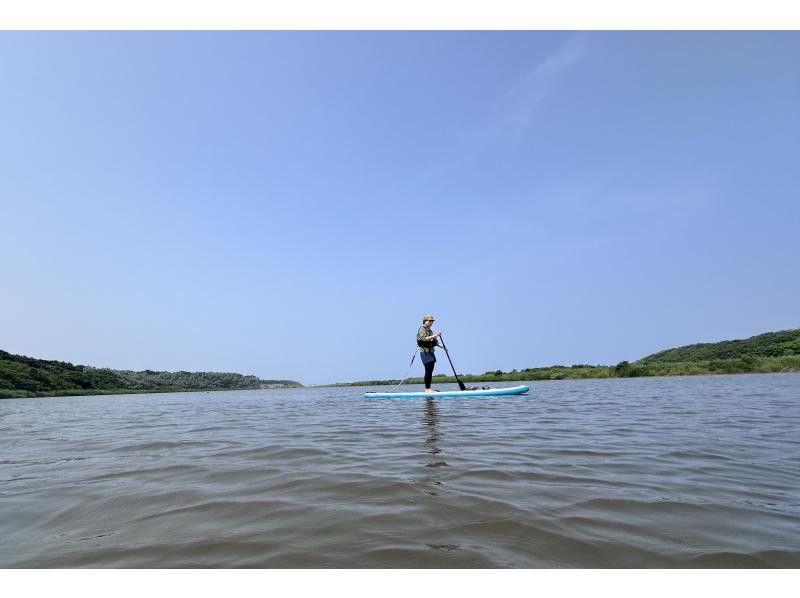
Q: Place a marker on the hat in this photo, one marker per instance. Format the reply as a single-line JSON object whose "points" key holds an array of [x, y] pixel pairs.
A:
{"points": [[427, 317]]}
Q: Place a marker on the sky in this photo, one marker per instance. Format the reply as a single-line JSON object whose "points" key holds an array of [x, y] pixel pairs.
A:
{"points": [[290, 204]]}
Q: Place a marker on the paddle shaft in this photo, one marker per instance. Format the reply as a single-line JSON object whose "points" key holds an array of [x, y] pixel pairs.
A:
{"points": [[446, 352]]}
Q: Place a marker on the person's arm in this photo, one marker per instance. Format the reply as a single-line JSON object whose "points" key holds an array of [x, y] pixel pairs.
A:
{"points": [[429, 337]]}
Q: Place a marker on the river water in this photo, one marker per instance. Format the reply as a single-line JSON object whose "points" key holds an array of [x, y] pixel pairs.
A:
{"points": [[654, 472]]}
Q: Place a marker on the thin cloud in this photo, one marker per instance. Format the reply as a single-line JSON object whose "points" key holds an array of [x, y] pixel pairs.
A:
{"points": [[514, 111], [517, 109]]}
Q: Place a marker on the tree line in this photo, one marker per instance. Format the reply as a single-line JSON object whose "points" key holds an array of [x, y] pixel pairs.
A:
{"points": [[22, 376], [764, 353]]}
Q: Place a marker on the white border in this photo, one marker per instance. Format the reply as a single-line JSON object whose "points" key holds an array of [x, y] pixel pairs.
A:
{"points": [[400, 583], [408, 14]]}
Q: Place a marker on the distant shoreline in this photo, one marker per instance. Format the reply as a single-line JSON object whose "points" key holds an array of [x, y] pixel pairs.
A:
{"points": [[466, 378], [767, 353], [764, 365], [22, 376], [78, 392], [771, 352], [441, 379]]}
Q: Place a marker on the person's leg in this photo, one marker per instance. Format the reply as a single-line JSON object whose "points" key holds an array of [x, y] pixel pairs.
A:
{"points": [[429, 374]]}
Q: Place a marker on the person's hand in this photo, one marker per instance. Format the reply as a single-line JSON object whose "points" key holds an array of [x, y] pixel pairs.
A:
{"points": [[437, 334]]}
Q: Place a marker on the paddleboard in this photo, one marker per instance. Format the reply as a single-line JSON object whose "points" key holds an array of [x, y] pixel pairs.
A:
{"points": [[486, 392]]}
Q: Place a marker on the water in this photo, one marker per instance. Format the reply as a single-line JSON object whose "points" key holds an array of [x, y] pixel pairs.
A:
{"points": [[660, 472]]}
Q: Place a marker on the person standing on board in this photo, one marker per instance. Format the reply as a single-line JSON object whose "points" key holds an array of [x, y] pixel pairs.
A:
{"points": [[427, 340]]}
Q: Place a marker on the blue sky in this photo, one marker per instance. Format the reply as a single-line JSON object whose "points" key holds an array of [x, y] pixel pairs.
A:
{"points": [[289, 204]]}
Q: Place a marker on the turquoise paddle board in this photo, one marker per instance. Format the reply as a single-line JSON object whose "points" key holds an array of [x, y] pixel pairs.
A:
{"points": [[486, 392]]}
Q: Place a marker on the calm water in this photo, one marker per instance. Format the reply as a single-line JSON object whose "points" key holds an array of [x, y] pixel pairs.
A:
{"points": [[664, 472]]}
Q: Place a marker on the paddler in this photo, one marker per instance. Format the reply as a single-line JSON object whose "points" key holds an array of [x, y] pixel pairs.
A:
{"points": [[427, 341]]}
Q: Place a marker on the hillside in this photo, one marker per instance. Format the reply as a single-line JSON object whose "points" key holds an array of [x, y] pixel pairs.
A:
{"points": [[765, 353], [771, 344], [22, 376]]}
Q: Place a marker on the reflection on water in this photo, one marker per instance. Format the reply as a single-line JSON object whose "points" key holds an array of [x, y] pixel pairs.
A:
{"points": [[434, 462], [431, 423]]}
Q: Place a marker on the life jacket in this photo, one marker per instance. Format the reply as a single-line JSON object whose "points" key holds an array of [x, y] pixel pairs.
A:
{"points": [[427, 344]]}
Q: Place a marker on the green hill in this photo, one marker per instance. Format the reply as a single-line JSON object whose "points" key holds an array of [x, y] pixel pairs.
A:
{"points": [[22, 376], [765, 353], [771, 344]]}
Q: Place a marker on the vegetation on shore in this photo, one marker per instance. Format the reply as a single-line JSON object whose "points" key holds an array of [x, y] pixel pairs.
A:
{"points": [[765, 353], [22, 376]]}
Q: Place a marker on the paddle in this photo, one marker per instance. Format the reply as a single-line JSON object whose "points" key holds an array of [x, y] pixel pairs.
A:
{"points": [[446, 352]]}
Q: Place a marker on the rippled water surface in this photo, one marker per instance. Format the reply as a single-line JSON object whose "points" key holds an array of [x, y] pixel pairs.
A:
{"points": [[660, 472]]}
